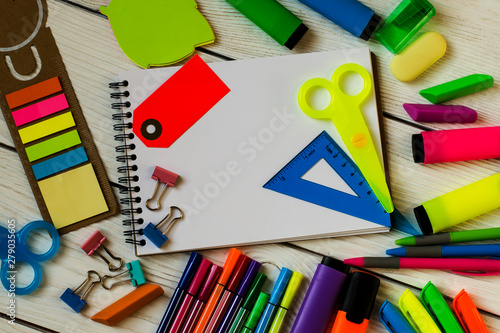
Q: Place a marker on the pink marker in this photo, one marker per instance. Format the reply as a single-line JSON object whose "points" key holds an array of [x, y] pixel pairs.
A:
{"points": [[457, 265], [430, 113], [456, 145]]}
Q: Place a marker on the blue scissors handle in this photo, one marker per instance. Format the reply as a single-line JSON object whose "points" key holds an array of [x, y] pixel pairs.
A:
{"points": [[13, 255]]}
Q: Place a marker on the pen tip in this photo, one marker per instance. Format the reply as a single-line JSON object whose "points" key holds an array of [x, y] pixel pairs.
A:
{"points": [[397, 252], [355, 262], [407, 241]]}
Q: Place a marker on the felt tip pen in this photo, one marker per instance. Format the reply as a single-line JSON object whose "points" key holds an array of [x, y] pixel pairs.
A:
{"points": [[356, 308], [393, 320], [277, 21], [351, 15], [191, 293], [256, 313], [243, 287], [321, 297], [227, 296], [199, 303], [248, 303], [454, 264], [439, 310], [291, 290], [436, 251], [228, 268], [276, 295], [467, 313], [416, 314], [188, 274], [443, 238]]}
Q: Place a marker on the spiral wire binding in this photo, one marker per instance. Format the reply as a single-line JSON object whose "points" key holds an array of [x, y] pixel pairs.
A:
{"points": [[129, 191]]}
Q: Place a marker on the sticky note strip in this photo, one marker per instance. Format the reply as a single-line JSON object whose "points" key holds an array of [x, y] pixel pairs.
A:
{"points": [[178, 103], [47, 127], [60, 163], [40, 109], [34, 92], [73, 196], [52, 146]]}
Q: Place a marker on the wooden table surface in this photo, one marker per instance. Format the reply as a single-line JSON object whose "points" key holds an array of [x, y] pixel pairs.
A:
{"points": [[93, 59]]}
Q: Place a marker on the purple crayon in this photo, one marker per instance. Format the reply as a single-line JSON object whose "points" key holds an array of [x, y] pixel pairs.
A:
{"points": [[321, 297], [430, 113]]}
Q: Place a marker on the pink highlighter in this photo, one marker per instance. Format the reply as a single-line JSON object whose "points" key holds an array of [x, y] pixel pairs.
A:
{"points": [[456, 145]]}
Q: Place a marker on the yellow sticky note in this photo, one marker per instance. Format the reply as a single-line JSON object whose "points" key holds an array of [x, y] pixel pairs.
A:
{"points": [[47, 127], [73, 196]]}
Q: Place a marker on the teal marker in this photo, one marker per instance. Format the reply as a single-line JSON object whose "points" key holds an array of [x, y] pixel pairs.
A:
{"points": [[439, 310], [277, 21], [451, 237]]}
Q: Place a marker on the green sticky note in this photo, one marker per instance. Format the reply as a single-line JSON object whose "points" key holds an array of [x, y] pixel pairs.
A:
{"points": [[158, 32], [53, 145]]}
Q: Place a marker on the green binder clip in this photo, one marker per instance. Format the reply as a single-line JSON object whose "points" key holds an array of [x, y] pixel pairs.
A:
{"points": [[403, 23]]}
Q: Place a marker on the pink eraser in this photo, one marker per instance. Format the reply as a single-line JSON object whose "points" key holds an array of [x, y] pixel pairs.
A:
{"points": [[164, 176], [93, 243], [431, 113]]}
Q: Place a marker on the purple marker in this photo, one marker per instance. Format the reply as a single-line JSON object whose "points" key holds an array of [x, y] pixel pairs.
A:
{"points": [[240, 294], [321, 297], [430, 113]]}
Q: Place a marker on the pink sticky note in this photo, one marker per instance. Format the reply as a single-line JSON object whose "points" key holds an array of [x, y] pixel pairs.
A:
{"points": [[40, 109]]}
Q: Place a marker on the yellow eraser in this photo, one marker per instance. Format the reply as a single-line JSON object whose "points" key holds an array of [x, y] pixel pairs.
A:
{"points": [[419, 56]]}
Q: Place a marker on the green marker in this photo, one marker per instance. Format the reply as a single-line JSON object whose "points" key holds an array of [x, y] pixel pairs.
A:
{"points": [[457, 88], [248, 303], [277, 21], [439, 310], [451, 237], [291, 290], [253, 318]]}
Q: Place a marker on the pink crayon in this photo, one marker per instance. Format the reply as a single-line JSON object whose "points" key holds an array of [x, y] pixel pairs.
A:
{"points": [[430, 113]]}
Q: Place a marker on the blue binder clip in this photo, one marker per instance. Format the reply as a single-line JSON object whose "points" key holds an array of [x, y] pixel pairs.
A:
{"points": [[71, 297], [134, 271], [393, 320], [153, 233]]}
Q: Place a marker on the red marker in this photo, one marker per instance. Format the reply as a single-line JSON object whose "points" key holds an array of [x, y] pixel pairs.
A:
{"points": [[239, 272], [199, 303], [192, 291]]}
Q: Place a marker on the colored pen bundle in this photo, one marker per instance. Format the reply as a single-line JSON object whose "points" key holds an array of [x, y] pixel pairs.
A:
{"points": [[431, 313], [211, 299]]}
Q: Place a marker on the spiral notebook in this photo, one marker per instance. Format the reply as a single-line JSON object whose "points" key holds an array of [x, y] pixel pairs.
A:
{"points": [[248, 126]]}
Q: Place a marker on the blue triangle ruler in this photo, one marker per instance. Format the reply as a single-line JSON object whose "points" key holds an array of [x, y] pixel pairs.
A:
{"points": [[289, 181]]}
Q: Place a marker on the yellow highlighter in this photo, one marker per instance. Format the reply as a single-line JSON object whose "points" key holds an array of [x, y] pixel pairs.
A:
{"points": [[344, 110], [291, 290], [416, 314]]}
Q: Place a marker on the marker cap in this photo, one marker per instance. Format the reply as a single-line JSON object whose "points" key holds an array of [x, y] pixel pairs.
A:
{"points": [[291, 289], [238, 273], [248, 278], [423, 220], [231, 261], [199, 277], [254, 291], [336, 264], [360, 297], [280, 285], [190, 270], [257, 310], [209, 284]]}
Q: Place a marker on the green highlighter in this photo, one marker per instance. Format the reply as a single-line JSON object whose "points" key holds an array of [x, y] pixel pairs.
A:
{"points": [[249, 301], [439, 310], [253, 318], [277, 21]]}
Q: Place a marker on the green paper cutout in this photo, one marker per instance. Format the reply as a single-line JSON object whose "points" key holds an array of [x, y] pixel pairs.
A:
{"points": [[158, 32]]}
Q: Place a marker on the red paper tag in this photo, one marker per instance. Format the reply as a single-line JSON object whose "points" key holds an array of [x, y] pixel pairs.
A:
{"points": [[177, 104]]}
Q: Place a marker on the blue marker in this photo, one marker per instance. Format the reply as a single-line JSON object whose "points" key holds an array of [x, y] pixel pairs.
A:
{"points": [[350, 15], [175, 302], [270, 310], [436, 251], [393, 320]]}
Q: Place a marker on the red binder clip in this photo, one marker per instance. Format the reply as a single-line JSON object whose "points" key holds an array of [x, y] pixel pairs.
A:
{"points": [[93, 243], [165, 177]]}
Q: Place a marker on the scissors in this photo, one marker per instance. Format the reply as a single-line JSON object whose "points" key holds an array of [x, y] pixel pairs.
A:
{"points": [[14, 249], [344, 110]]}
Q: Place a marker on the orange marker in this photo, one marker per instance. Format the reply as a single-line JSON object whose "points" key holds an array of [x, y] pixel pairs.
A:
{"points": [[355, 310], [467, 314], [228, 268], [128, 304]]}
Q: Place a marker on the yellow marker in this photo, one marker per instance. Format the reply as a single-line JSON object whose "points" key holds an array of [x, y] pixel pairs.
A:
{"points": [[419, 56], [416, 314], [291, 290], [344, 110]]}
